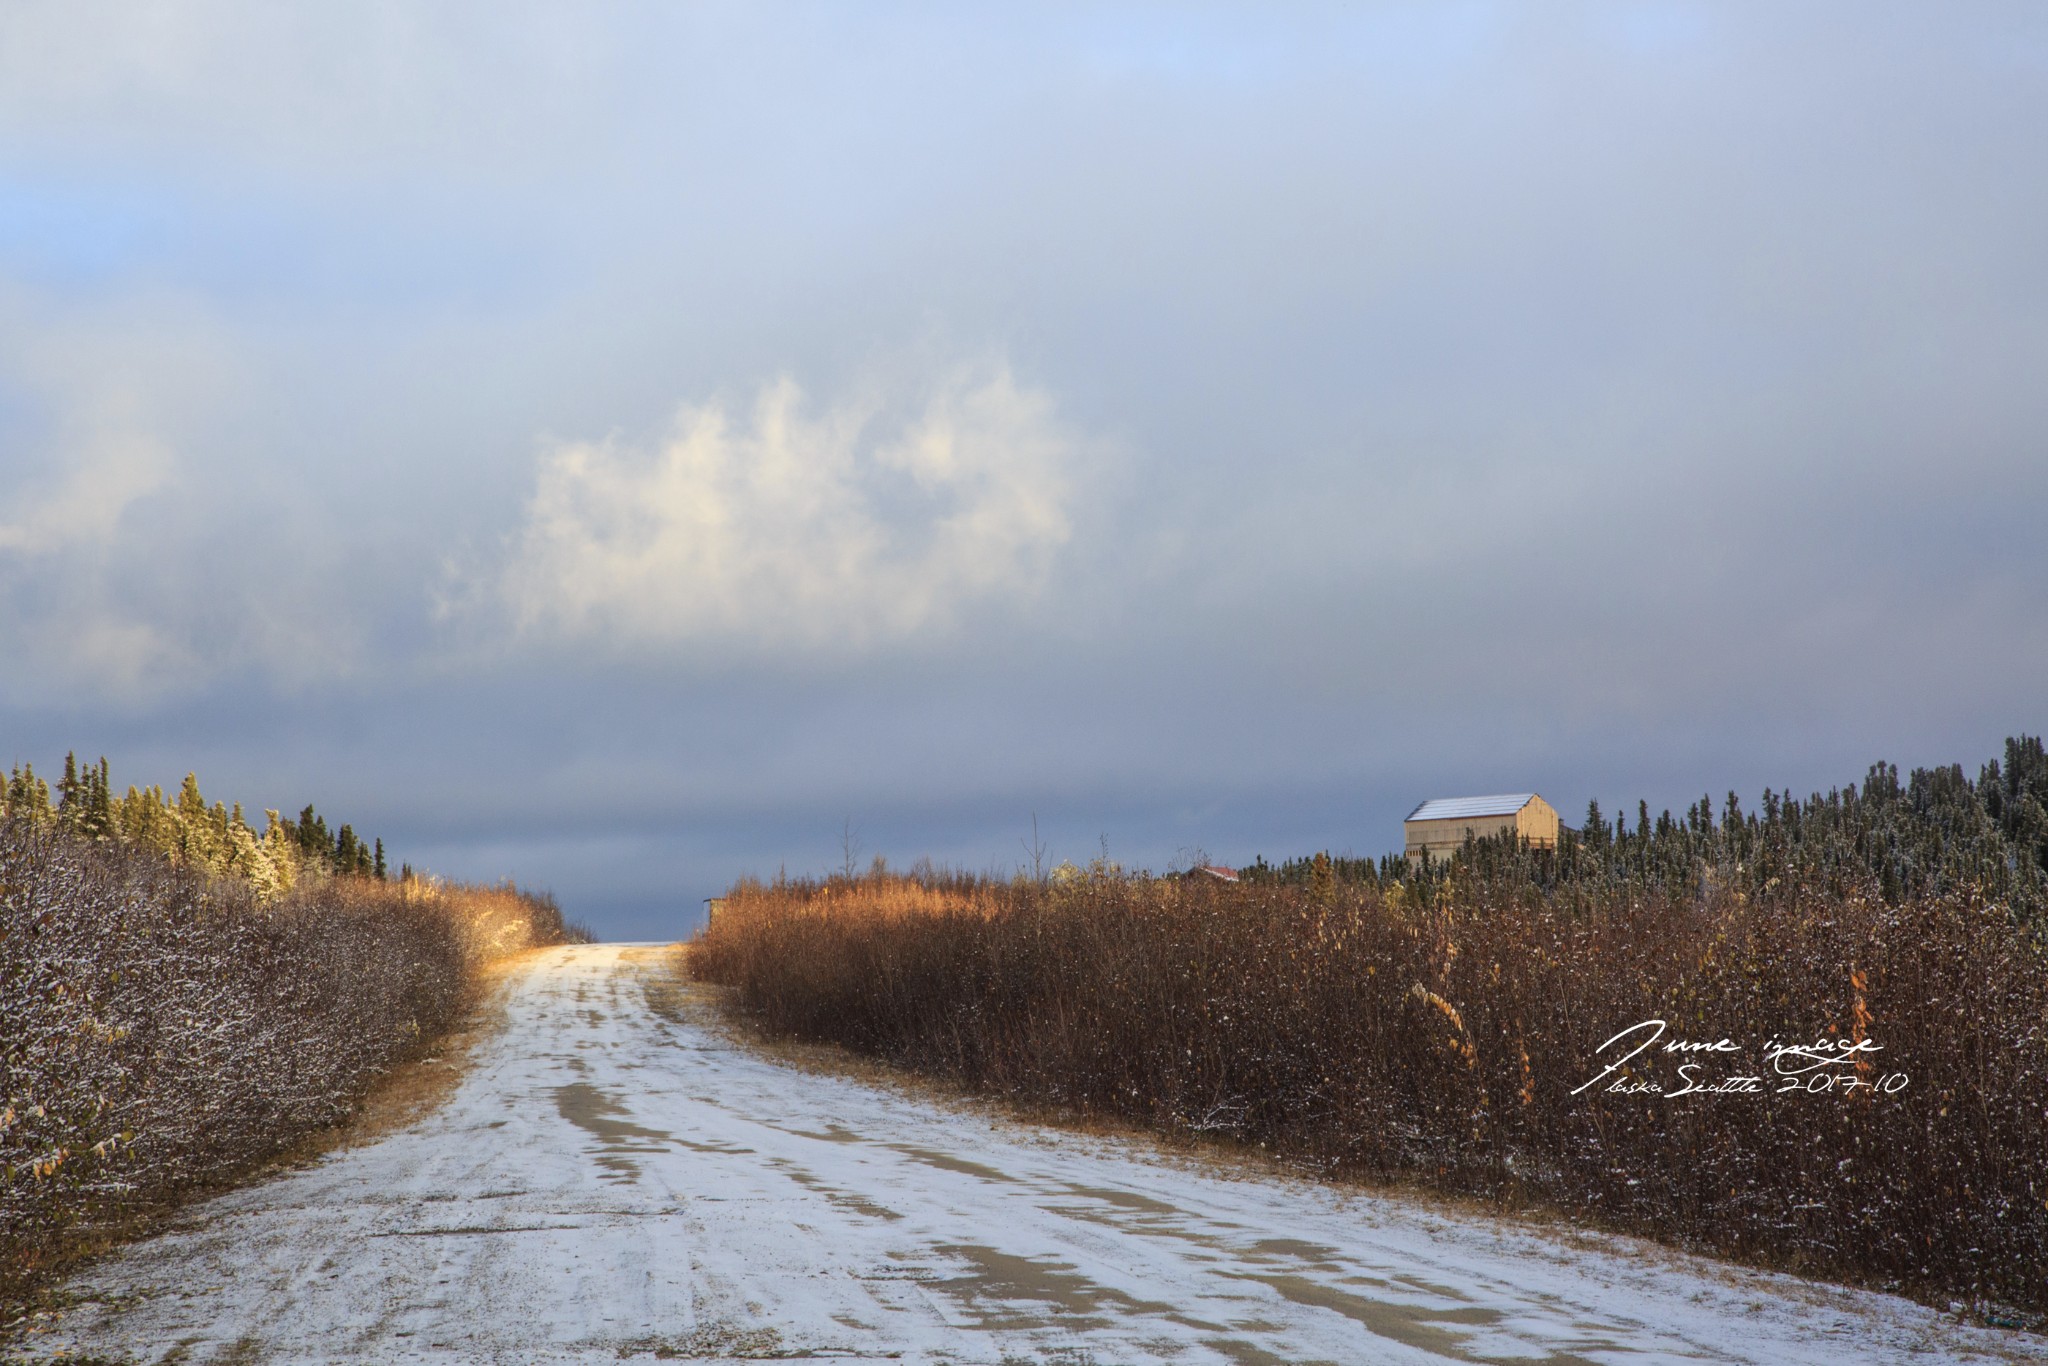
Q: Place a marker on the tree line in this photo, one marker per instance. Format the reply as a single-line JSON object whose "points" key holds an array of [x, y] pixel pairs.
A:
{"points": [[211, 838], [1935, 832]]}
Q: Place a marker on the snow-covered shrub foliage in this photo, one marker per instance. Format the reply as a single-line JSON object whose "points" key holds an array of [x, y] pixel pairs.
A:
{"points": [[1445, 1034], [161, 1029]]}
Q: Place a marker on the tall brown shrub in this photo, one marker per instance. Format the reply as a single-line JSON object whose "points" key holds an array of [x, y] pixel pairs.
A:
{"points": [[1441, 1040]]}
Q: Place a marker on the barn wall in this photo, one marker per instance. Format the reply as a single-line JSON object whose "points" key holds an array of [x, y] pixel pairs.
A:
{"points": [[1537, 822], [1445, 836]]}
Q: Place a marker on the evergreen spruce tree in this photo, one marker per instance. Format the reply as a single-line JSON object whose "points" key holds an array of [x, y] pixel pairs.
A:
{"points": [[98, 819], [70, 794], [199, 844], [348, 851], [314, 843]]}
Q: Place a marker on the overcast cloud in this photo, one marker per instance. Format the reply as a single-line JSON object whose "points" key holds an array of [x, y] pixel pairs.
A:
{"points": [[620, 446]]}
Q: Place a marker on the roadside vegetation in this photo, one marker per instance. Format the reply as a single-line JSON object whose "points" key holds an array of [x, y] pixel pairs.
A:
{"points": [[1444, 1026], [183, 998]]}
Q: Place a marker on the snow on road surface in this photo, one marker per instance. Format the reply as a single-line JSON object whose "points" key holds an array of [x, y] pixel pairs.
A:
{"points": [[615, 1178]]}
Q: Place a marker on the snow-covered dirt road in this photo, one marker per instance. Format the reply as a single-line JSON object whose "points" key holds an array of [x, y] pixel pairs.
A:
{"points": [[614, 1178]]}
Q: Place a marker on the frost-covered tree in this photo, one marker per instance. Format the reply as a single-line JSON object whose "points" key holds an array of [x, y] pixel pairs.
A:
{"points": [[211, 838], [28, 796]]}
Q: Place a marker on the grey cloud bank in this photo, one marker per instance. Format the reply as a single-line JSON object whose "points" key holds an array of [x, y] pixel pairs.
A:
{"points": [[1209, 431]]}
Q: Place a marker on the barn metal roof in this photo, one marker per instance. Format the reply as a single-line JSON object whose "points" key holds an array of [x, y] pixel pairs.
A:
{"points": [[1452, 808]]}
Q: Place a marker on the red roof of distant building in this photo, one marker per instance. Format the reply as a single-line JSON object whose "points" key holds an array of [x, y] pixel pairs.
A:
{"points": [[1215, 870]]}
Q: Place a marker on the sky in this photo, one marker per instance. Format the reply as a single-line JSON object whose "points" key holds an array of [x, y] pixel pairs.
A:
{"points": [[625, 447]]}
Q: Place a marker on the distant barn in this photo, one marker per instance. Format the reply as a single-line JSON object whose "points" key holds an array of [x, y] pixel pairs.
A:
{"points": [[1438, 827]]}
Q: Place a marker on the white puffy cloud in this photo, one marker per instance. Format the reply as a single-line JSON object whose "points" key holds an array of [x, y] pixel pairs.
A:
{"points": [[787, 525]]}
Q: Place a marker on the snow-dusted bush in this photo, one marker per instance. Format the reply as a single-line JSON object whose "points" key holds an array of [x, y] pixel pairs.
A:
{"points": [[161, 1028]]}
